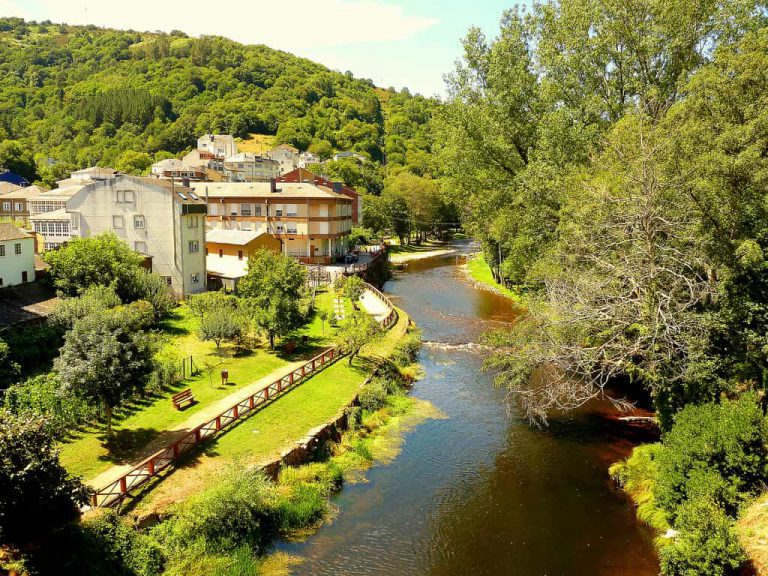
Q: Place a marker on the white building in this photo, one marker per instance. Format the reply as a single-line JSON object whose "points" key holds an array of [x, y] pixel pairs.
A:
{"points": [[307, 158], [17, 256], [220, 145], [173, 168], [352, 155], [163, 221], [247, 167], [287, 156]]}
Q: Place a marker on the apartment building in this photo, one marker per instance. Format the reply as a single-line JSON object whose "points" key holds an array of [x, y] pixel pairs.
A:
{"points": [[303, 175], [219, 145], [287, 156], [310, 220], [157, 218], [172, 168], [17, 256], [247, 167], [14, 201]]}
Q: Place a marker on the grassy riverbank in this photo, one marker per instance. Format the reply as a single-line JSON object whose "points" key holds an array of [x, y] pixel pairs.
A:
{"points": [[479, 270], [142, 427]]}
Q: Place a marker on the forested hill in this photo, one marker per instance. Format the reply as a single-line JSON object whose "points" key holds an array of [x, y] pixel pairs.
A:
{"points": [[85, 96]]}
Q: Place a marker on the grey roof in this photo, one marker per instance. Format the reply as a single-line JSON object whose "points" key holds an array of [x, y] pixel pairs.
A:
{"points": [[11, 232]]}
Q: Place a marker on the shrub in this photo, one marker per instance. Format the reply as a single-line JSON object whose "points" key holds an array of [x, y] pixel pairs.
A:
{"points": [[714, 451], [123, 546], [706, 543], [239, 509], [407, 349], [637, 476], [373, 396]]}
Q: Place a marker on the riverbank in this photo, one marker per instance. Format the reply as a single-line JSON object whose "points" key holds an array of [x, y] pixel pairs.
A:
{"points": [[401, 254], [479, 272]]}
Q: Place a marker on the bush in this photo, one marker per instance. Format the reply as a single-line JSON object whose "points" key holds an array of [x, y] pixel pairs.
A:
{"points": [[240, 509], [715, 451], [124, 547], [706, 543], [34, 346], [373, 396], [42, 396], [407, 349]]}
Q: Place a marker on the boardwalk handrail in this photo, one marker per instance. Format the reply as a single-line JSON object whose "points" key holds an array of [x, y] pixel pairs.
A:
{"points": [[114, 492]]}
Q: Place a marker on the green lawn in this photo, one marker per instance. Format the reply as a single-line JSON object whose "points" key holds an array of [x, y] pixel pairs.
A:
{"points": [[481, 272], [89, 453], [264, 435]]}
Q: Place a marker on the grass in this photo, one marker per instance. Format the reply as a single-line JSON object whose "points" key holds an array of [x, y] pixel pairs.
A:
{"points": [[752, 530], [89, 452], [265, 435], [256, 143], [480, 272]]}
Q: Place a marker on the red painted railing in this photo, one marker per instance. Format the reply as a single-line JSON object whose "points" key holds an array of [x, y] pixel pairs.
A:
{"points": [[116, 491]]}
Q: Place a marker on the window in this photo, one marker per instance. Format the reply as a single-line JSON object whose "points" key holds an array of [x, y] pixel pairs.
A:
{"points": [[245, 209], [140, 247], [6, 206], [2, 250], [278, 211], [125, 196], [214, 209], [19, 206], [57, 228], [138, 222], [221, 253], [258, 209], [239, 254], [292, 210], [17, 248], [192, 222], [118, 222], [167, 280], [292, 229], [194, 246], [195, 278], [280, 229]]}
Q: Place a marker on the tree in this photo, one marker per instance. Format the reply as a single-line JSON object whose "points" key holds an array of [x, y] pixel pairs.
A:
{"points": [[621, 288], [205, 302], [132, 162], [9, 369], [107, 359], [273, 287], [37, 495], [359, 330], [323, 314], [144, 285], [102, 260], [93, 300], [354, 288], [221, 323], [16, 157]]}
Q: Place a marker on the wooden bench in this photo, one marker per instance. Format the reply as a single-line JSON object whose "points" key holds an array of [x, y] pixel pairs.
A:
{"points": [[183, 396]]}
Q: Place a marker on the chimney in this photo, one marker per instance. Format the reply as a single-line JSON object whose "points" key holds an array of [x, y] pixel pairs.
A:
{"points": [[272, 185], [185, 182], [337, 186]]}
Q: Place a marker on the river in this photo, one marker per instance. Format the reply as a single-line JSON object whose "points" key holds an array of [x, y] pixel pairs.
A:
{"points": [[481, 492]]}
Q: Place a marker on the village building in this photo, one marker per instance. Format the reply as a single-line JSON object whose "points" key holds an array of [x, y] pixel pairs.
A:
{"points": [[14, 201], [307, 158], [219, 145], [159, 219], [17, 256], [227, 253], [303, 175], [287, 156], [310, 220], [248, 167], [174, 169]]}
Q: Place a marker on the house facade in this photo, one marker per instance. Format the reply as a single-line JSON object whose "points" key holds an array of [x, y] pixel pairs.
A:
{"points": [[247, 167], [311, 221], [227, 253], [303, 175], [163, 221], [219, 145], [287, 156], [172, 168], [17, 256], [14, 201]]}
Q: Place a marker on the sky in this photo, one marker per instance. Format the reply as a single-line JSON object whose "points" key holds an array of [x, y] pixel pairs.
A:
{"points": [[400, 43]]}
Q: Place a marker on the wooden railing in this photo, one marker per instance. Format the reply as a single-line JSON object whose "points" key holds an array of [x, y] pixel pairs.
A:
{"points": [[114, 492]]}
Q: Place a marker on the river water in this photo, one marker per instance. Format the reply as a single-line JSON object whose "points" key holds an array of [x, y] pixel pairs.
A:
{"points": [[481, 492]]}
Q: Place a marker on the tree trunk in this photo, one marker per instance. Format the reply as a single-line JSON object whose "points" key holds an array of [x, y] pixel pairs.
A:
{"points": [[108, 416], [271, 340]]}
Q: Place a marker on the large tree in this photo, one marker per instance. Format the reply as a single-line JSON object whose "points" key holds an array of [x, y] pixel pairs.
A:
{"points": [[359, 329], [107, 358], [274, 287], [102, 260]]}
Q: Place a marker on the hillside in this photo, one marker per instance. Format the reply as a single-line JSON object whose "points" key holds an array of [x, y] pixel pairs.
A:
{"points": [[84, 95]]}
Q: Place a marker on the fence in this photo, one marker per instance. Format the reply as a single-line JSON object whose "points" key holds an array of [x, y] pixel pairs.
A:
{"points": [[114, 492]]}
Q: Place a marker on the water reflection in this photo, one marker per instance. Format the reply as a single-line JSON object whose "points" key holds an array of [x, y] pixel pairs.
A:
{"points": [[481, 492]]}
